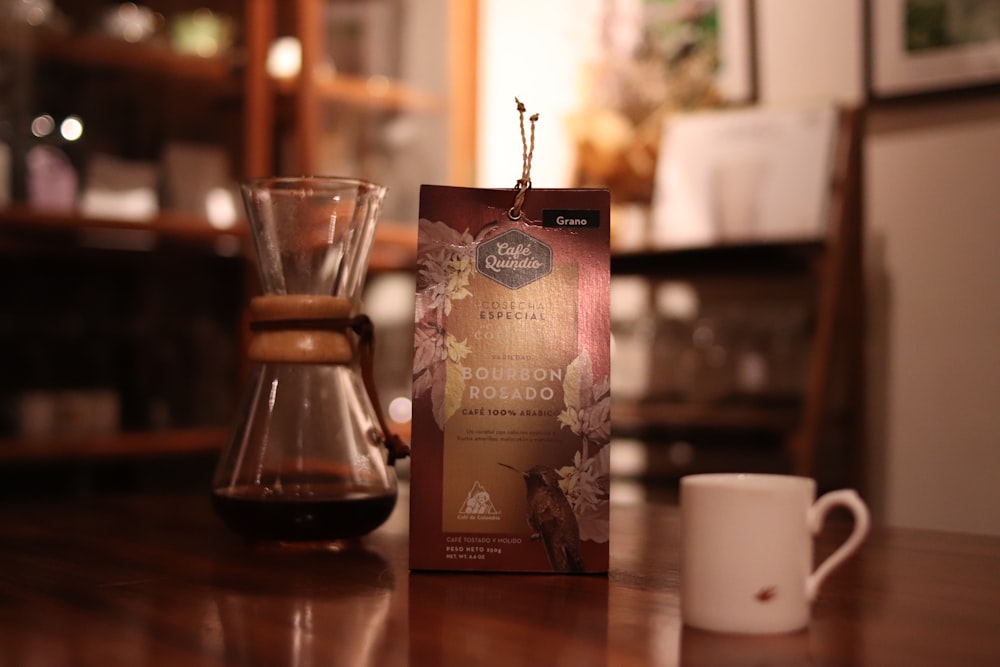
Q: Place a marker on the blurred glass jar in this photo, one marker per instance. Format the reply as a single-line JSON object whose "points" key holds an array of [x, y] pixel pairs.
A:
{"points": [[632, 332], [202, 33], [130, 22], [704, 374]]}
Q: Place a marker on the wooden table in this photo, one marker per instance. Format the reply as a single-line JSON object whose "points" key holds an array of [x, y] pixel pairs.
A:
{"points": [[135, 580]]}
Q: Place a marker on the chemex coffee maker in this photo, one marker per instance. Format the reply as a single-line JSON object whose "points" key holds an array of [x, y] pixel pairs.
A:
{"points": [[310, 458]]}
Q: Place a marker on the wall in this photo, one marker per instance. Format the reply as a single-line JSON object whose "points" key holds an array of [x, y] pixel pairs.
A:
{"points": [[932, 223], [531, 50], [931, 204], [420, 140], [931, 208], [809, 50]]}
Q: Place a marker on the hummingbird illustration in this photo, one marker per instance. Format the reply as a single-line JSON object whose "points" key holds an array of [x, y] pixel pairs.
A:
{"points": [[552, 518]]}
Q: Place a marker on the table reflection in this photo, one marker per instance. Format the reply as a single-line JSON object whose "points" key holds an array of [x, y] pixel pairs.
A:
{"points": [[699, 647], [329, 608], [469, 619]]}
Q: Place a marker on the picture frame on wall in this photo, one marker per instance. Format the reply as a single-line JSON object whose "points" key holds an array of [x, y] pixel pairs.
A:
{"points": [[921, 47], [645, 61], [737, 75]]}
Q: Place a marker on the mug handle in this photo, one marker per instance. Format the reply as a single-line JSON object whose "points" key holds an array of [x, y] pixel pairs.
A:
{"points": [[817, 515]]}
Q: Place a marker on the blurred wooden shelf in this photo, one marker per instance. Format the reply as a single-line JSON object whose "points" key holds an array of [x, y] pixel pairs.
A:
{"points": [[27, 230], [152, 58], [831, 266], [135, 98], [144, 444], [371, 92], [757, 258], [395, 243], [22, 218], [395, 247], [635, 416], [376, 92]]}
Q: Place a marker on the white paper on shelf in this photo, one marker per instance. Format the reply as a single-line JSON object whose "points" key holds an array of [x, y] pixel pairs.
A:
{"points": [[120, 189], [745, 175]]}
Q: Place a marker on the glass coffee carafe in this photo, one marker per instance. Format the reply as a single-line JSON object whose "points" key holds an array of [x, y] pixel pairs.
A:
{"points": [[310, 458]]}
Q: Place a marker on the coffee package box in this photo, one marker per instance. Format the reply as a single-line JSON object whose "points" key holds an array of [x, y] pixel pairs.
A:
{"points": [[511, 413]]}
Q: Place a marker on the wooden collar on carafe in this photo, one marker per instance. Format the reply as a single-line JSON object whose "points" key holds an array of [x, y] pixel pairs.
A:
{"points": [[301, 328], [311, 329]]}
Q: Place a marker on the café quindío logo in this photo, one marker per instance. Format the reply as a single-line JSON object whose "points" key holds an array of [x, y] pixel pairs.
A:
{"points": [[514, 259]]}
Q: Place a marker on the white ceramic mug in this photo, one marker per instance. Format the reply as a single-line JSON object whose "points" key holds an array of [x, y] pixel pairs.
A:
{"points": [[747, 549]]}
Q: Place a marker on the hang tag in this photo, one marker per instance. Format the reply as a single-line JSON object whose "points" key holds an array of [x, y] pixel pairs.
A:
{"points": [[511, 423]]}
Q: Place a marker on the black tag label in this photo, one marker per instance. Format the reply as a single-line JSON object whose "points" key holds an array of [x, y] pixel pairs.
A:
{"points": [[571, 218]]}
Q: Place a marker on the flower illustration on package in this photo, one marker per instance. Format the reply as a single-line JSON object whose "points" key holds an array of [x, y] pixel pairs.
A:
{"points": [[445, 261]]}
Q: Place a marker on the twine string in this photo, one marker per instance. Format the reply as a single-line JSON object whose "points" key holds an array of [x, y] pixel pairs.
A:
{"points": [[527, 152]]}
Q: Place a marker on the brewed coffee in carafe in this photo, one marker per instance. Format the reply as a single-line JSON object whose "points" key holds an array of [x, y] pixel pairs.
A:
{"points": [[310, 458]]}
